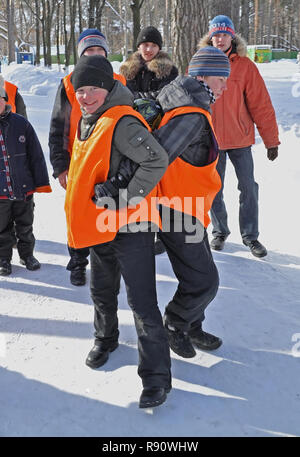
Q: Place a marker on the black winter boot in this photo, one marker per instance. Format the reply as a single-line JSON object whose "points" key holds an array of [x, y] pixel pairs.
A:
{"points": [[205, 341], [256, 248], [5, 267], [78, 277], [218, 242], [153, 396], [31, 263], [180, 342], [99, 354]]}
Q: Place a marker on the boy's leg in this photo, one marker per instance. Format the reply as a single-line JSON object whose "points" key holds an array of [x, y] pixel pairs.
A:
{"points": [[197, 274], [135, 253], [218, 210], [248, 215], [23, 218], [104, 287], [6, 229], [198, 278], [77, 265]]}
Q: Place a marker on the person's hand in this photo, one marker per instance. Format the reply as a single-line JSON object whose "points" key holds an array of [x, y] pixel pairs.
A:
{"points": [[272, 153], [63, 179]]}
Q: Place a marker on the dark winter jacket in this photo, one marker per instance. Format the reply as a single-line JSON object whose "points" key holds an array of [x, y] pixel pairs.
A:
{"points": [[187, 136], [20, 105], [145, 79], [26, 162], [59, 132]]}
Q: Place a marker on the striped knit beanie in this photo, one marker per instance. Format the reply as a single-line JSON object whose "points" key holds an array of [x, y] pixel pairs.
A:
{"points": [[221, 24], [209, 61], [89, 38]]}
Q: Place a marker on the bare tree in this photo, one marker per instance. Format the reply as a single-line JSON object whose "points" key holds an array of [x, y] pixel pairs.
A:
{"points": [[37, 32], [189, 23], [136, 6], [10, 12]]}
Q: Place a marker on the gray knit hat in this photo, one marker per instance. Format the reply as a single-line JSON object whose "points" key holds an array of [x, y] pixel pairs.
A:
{"points": [[89, 38], [209, 61]]}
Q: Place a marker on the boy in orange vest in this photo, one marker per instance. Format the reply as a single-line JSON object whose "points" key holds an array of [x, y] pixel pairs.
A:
{"points": [[65, 116], [186, 192], [109, 130]]}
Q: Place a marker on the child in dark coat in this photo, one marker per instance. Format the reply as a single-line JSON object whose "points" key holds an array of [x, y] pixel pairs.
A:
{"points": [[23, 171]]}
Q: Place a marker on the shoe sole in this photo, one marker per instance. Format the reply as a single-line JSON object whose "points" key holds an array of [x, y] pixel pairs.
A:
{"points": [[217, 248], [5, 274], [78, 284], [255, 254], [258, 255], [22, 262], [103, 361], [207, 348], [185, 355], [153, 404]]}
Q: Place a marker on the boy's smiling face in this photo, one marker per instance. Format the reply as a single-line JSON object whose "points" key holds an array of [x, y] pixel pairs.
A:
{"points": [[90, 98]]}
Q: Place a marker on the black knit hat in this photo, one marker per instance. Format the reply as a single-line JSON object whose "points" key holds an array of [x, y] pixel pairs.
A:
{"points": [[149, 34], [93, 71]]}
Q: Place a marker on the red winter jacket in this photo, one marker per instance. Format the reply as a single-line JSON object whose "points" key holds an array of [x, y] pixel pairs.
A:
{"points": [[245, 102]]}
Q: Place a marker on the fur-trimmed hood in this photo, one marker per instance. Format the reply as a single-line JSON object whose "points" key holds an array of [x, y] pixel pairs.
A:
{"points": [[239, 44], [161, 65]]}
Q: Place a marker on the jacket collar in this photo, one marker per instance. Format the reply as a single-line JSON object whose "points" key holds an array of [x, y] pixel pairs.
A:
{"points": [[161, 65]]}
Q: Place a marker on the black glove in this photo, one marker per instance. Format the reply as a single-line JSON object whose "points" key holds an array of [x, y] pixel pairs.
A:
{"points": [[109, 188], [272, 153], [106, 189]]}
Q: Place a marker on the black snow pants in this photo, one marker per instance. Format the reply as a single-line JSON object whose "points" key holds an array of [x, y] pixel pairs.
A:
{"points": [[195, 269], [132, 256], [16, 219]]}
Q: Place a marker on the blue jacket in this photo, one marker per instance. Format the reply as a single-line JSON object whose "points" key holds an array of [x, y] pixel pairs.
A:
{"points": [[26, 162]]}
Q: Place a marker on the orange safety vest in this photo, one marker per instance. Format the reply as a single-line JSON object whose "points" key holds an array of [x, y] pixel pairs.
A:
{"points": [[11, 91], [195, 187], [88, 225], [75, 107]]}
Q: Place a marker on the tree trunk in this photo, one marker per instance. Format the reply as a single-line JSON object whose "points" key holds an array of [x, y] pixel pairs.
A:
{"points": [[256, 21], [67, 54], [91, 14], [136, 6], [99, 12], [244, 29], [167, 26], [48, 25], [57, 33], [10, 11], [270, 15], [189, 23], [73, 47], [37, 33], [80, 16]]}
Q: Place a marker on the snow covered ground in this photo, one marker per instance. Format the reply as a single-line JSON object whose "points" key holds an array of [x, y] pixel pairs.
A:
{"points": [[248, 387]]}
